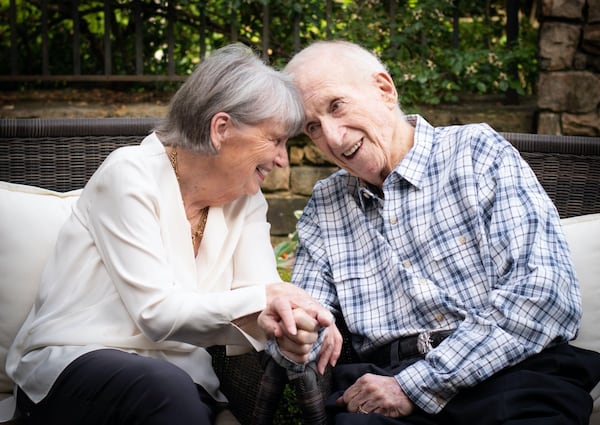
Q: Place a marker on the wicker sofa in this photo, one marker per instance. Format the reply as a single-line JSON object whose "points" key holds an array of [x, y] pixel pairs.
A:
{"points": [[61, 154]]}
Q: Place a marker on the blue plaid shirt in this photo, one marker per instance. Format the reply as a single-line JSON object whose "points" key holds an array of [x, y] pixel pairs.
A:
{"points": [[462, 238]]}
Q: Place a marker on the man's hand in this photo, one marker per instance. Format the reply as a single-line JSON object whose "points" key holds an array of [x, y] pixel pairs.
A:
{"points": [[294, 318], [298, 347], [330, 349], [376, 394], [278, 318]]}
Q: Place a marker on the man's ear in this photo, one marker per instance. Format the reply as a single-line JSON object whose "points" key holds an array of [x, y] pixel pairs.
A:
{"points": [[386, 86], [219, 126]]}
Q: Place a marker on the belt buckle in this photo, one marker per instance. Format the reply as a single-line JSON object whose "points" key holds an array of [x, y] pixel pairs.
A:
{"points": [[424, 343]]}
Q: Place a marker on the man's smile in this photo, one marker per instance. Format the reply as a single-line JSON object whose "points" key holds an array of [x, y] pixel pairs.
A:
{"points": [[353, 149]]}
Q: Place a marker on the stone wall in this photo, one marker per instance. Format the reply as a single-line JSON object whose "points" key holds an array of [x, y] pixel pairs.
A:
{"points": [[569, 81], [288, 189]]}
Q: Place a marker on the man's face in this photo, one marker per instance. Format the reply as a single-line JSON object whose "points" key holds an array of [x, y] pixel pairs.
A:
{"points": [[350, 117]]}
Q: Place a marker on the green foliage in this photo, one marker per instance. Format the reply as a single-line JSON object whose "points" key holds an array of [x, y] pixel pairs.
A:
{"points": [[285, 252], [416, 45], [412, 37], [288, 412]]}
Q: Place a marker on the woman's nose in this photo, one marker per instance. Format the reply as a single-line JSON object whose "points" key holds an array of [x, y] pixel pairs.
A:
{"points": [[281, 159]]}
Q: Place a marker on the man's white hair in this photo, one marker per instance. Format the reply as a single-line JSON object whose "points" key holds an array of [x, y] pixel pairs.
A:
{"points": [[336, 50]]}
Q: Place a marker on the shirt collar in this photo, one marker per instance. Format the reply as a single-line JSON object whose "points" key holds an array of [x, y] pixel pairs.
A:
{"points": [[413, 166], [368, 194]]}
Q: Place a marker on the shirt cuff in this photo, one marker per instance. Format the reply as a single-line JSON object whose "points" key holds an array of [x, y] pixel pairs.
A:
{"points": [[423, 388], [294, 369]]}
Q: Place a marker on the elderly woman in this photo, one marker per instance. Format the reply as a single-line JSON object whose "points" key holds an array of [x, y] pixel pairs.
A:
{"points": [[167, 251]]}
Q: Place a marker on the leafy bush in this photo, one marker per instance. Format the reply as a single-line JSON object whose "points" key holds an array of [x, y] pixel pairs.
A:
{"points": [[414, 38], [285, 252], [416, 45]]}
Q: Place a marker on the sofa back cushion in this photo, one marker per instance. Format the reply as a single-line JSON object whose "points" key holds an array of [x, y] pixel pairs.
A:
{"points": [[30, 218], [583, 236]]}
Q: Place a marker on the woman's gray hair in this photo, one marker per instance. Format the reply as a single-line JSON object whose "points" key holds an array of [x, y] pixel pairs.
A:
{"points": [[235, 81]]}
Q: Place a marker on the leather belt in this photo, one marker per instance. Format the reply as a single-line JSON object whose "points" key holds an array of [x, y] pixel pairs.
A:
{"points": [[406, 347]]}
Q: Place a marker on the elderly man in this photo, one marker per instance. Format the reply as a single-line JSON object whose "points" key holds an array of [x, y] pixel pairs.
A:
{"points": [[443, 255]]}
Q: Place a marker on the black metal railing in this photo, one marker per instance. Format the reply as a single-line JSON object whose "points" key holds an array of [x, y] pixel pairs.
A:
{"points": [[92, 41]]}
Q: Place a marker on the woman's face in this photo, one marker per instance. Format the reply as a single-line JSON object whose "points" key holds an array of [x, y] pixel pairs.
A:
{"points": [[247, 154]]}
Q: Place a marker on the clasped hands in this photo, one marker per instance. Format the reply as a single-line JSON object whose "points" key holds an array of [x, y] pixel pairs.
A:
{"points": [[294, 319]]}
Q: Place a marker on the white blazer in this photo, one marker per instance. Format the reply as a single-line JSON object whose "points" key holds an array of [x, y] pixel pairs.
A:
{"points": [[123, 275]]}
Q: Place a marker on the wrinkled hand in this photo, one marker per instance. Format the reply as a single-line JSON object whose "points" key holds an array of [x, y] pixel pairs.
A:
{"points": [[331, 346], [330, 349], [298, 347], [277, 319], [376, 394]]}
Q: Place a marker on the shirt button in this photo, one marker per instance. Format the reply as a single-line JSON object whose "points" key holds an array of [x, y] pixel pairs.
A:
{"points": [[406, 264], [439, 400], [393, 220], [462, 240], [422, 280], [439, 317]]}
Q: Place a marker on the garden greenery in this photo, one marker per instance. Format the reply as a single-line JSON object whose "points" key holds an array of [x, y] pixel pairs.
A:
{"points": [[285, 252], [414, 38]]}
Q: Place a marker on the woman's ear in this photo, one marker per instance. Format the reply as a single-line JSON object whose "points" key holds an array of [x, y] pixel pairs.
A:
{"points": [[219, 126]]}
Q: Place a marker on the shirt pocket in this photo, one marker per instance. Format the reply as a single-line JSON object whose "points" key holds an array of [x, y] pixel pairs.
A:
{"points": [[362, 275], [456, 266], [364, 256], [450, 244], [355, 267]]}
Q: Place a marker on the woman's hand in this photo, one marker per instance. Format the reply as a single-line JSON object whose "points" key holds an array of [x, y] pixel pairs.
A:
{"points": [[294, 318], [278, 318], [298, 347]]}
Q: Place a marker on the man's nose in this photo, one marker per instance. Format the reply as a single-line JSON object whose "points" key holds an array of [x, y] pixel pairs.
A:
{"points": [[333, 134]]}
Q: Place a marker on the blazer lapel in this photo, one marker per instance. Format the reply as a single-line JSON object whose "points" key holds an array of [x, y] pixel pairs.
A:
{"points": [[214, 254]]}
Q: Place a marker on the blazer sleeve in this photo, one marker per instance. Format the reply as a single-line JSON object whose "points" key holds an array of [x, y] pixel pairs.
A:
{"points": [[124, 210]]}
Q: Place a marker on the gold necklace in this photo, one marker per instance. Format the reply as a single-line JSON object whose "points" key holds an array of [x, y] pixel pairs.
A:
{"points": [[198, 233]]}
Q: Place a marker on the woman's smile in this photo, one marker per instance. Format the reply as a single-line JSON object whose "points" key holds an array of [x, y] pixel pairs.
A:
{"points": [[262, 173]]}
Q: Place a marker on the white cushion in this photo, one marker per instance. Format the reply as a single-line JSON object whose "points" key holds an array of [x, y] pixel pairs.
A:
{"points": [[583, 236], [30, 218]]}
